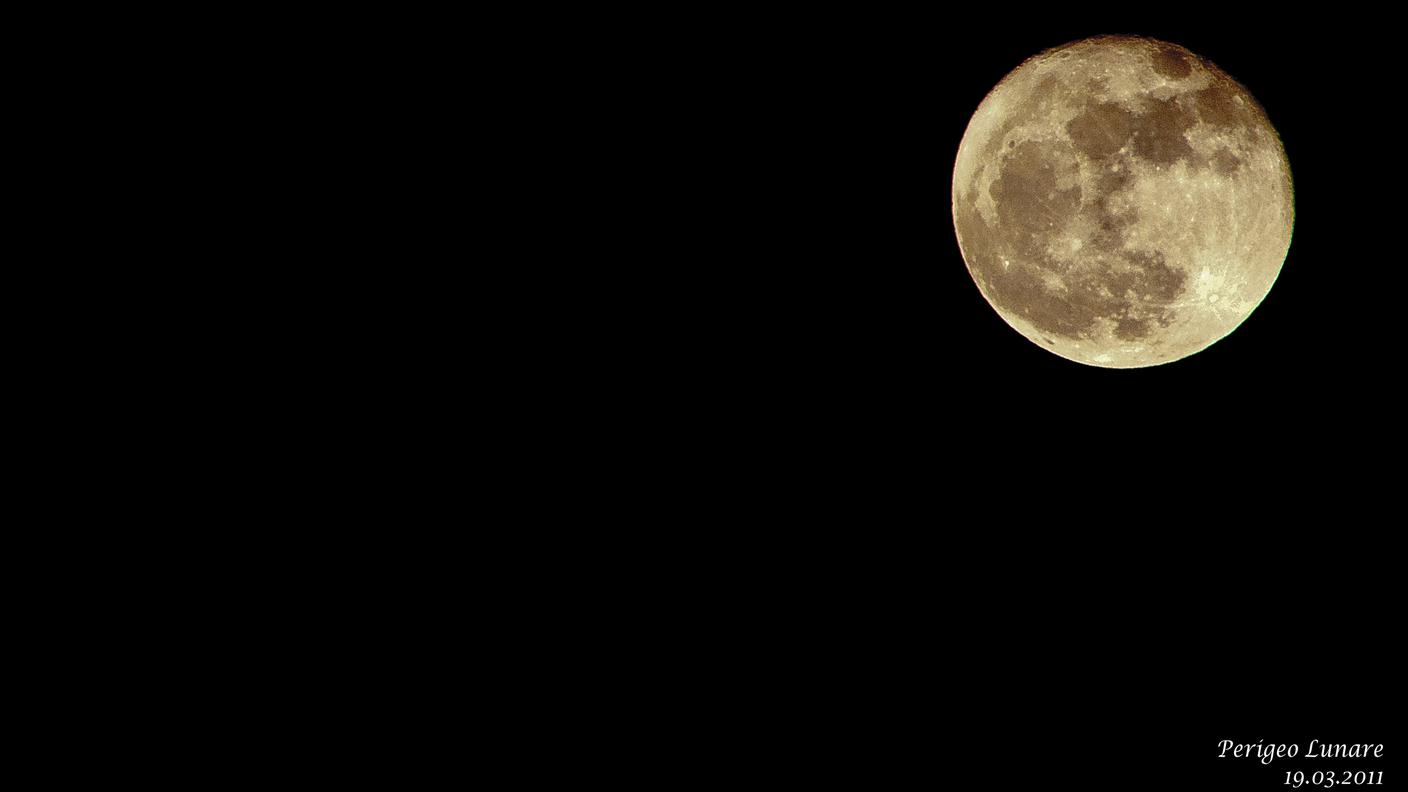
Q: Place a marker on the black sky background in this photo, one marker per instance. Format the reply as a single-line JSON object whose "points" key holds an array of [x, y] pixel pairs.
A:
{"points": [[1123, 567]]}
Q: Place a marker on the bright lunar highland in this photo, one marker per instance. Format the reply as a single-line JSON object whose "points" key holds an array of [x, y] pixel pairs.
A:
{"points": [[1122, 202]]}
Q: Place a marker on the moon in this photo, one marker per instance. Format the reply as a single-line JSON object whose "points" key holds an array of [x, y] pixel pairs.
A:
{"points": [[1122, 202]]}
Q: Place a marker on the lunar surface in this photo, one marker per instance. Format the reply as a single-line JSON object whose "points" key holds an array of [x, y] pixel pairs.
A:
{"points": [[1122, 202]]}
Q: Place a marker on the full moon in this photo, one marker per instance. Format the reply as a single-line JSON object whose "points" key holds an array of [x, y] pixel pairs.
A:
{"points": [[1122, 202]]}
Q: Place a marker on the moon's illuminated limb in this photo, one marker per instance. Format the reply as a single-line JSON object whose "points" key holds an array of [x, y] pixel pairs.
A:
{"points": [[1122, 202]]}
